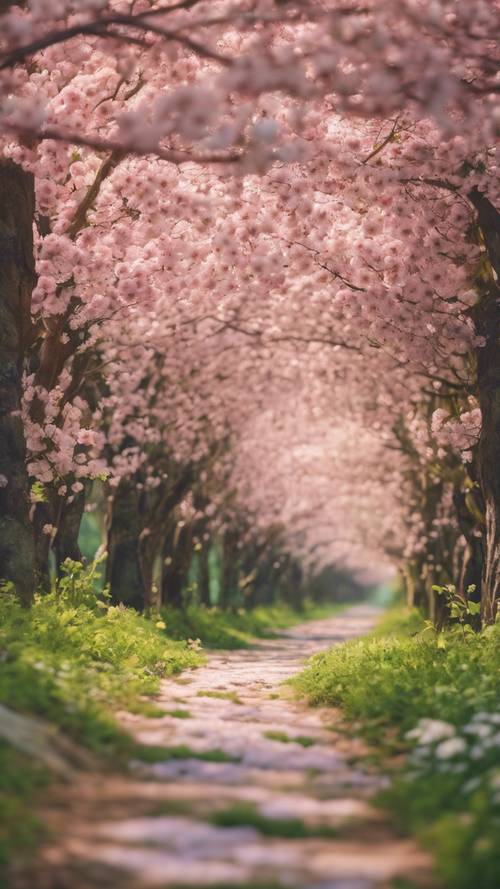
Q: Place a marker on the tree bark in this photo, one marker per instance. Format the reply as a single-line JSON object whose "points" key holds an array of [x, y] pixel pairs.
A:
{"points": [[123, 572], [489, 453], [68, 530], [178, 550], [17, 276], [204, 576], [487, 321], [229, 570]]}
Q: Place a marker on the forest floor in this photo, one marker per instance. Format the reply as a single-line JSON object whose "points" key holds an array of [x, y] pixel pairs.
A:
{"points": [[245, 788]]}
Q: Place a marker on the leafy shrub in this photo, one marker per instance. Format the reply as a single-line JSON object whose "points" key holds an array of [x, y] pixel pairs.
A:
{"points": [[73, 657], [439, 696]]}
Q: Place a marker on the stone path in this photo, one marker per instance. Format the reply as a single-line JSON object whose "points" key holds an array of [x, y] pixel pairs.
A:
{"points": [[257, 792]]}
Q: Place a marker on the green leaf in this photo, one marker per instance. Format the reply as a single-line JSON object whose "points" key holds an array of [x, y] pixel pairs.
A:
{"points": [[38, 494]]}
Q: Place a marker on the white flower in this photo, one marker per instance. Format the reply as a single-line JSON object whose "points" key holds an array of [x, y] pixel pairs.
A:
{"points": [[451, 747], [3, 481], [479, 729], [428, 731]]}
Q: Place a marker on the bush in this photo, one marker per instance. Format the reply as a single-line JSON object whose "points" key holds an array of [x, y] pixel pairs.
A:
{"points": [[439, 696], [73, 657]]}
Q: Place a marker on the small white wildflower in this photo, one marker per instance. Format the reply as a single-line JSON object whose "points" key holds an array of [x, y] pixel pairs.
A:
{"points": [[428, 731], [3, 481], [482, 716], [451, 747], [479, 729]]}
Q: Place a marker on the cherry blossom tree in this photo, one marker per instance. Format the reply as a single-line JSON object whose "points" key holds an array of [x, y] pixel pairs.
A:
{"points": [[240, 206]]}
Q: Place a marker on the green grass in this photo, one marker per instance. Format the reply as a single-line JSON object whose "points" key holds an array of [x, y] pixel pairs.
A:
{"points": [[237, 629], [74, 665], [221, 695], [247, 815], [20, 783], [276, 735], [388, 683], [73, 661], [152, 754]]}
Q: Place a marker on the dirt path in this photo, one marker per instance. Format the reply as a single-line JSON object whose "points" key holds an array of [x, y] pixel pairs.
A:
{"points": [[258, 790]]}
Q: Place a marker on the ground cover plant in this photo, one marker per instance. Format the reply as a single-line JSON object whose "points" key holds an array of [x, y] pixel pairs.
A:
{"points": [[73, 659], [434, 697], [216, 628]]}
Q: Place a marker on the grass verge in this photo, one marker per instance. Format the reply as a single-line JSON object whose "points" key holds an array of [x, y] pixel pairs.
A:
{"points": [[437, 698], [72, 660], [237, 629]]}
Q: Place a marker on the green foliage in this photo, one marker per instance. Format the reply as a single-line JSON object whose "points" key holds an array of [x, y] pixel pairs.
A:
{"points": [[244, 814], [38, 493], [461, 610], [152, 754], [216, 628], [20, 830], [222, 695], [436, 697], [277, 735], [73, 657]]}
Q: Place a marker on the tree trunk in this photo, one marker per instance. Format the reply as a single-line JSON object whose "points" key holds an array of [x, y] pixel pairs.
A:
{"points": [[17, 276], [68, 530], [123, 571], [43, 514], [489, 453], [177, 556], [229, 570], [204, 576], [487, 320]]}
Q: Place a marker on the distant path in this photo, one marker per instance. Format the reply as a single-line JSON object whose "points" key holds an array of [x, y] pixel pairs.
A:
{"points": [[156, 828]]}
